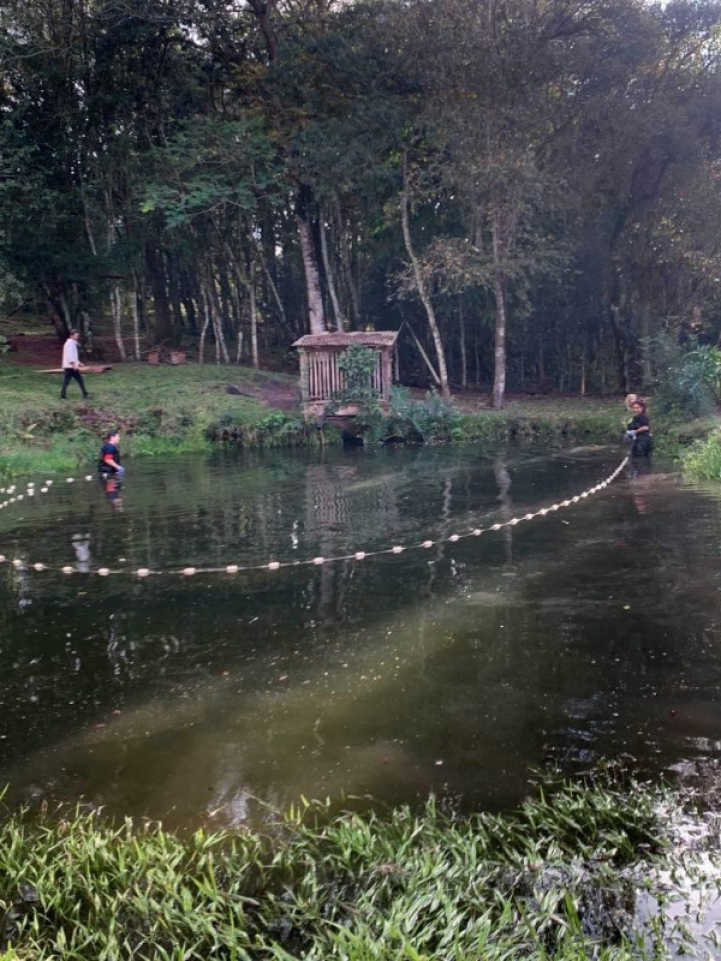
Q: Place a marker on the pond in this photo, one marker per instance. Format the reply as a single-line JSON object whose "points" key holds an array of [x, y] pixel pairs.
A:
{"points": [[458, 669]]}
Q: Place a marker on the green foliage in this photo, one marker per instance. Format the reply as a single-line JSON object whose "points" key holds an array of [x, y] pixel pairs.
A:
{"points": [[703, 459], [426, 421], [690, 378], [429, 420], [209, 164], [4, 346], [279, 429], [159, 410], [155, 445], [544, 421], [358, 363], [276, 429], [555, 879], [170, 151], [277, 422], [487, 427], [162, 410]]}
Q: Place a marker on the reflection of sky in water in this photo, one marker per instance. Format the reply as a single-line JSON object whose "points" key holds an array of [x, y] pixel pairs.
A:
{"points": [[582, 634]]}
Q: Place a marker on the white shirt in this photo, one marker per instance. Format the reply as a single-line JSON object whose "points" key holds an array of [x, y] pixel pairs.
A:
{"points": [[70, 354]]}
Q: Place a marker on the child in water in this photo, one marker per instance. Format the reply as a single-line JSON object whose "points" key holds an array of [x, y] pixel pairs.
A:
{"points": [[639, 430], [110, 456]]}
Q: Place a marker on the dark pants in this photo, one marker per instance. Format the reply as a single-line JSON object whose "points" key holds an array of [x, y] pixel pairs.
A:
{"points": [[642, 445], [72, 374]]}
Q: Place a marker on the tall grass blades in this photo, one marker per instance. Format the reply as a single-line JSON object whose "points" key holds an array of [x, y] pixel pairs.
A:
{"points": [[703, 459], [559, 879]]}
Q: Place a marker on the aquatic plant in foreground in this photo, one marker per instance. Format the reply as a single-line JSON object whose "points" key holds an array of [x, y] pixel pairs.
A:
{"points": [[559, 879]]}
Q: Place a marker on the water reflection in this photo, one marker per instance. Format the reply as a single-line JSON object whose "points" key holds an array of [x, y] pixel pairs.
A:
{"points": [[81, 547], [453, 669], [113, 488]]}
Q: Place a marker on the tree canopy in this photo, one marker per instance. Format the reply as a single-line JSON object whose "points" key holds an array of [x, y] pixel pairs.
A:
{"points": [[528, 188]]}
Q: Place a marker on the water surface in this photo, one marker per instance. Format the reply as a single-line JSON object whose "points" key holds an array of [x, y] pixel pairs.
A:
{"points": [[580, 635]]}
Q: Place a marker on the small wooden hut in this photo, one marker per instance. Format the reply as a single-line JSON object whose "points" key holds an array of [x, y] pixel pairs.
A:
{"points": [[321, 377]]}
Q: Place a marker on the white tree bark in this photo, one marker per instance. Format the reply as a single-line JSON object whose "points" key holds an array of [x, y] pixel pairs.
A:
{"points": [[206, 324], [136, 317], [423, 294], [500, 241], [253, 318], [316, 314], [337, 312], [116, 306]]}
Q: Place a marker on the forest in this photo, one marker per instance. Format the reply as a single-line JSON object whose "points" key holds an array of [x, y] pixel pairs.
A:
{"points": [[526, 189]]}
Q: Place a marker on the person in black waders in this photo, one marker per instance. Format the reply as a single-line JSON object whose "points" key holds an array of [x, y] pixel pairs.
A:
{"points": [[109, 464], [110, 470], [638, 432]]}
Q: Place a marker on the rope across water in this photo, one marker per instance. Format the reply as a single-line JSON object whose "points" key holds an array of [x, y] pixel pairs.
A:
{"points": [[13, 495]]}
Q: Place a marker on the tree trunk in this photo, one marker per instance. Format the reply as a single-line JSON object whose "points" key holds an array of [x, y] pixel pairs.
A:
{"points": [[206, 322], [159, 288], [644, 323], [176, 311], [316, 313], [423, 294], [272, 284], [116, 305], [464, 361], [424, 355], [239, 346], [262, 13], [221, 349], [618, 341], [347, 269], [65, 311], [253, 318], [337, 312], [86, 326], [499, 293], [136, 317]]}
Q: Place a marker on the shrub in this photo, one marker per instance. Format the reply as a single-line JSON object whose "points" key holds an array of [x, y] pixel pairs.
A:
{"points": [[429, 420], [275, 429], [358, 363], [703, 459], [690, 379]]}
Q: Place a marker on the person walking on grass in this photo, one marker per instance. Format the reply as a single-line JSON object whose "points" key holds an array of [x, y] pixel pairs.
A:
{"points": [[72, 365]]}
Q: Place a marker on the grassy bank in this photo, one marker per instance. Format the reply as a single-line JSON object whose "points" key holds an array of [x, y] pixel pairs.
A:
{"points": [[702, 458], [543, 419], [560, 879], [188, 408], [158, 410]]}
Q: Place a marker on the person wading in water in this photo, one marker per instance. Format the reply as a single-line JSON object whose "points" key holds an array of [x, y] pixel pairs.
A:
{"points": [[638, 431], [109, 464]]}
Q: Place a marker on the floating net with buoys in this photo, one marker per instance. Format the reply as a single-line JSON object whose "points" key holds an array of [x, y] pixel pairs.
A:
{"points": [[13, 495]]}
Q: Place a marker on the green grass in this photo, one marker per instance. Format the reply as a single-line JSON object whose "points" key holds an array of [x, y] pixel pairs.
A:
{"points": [[703, 458], [159, 410], [164, 410], [544, 419], [558, 879]]}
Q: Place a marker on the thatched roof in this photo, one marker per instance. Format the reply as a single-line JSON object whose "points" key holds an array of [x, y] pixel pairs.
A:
{"points": [[340, 339]]}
